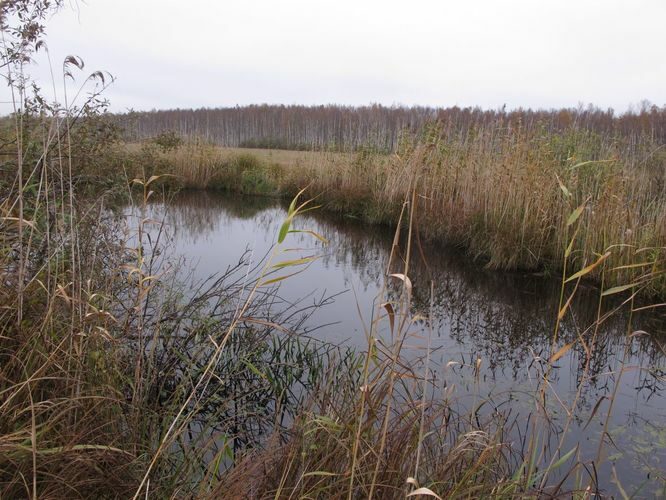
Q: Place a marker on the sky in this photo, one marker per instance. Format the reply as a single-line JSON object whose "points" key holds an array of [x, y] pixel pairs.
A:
{"points": [[487, 53]]}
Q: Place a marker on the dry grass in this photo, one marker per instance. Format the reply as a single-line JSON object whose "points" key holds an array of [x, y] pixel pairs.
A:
{"points": [[396, 436], [205, 166]]}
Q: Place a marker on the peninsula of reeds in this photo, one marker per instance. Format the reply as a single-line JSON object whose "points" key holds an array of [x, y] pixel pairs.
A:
{"points": [[500, 184]]}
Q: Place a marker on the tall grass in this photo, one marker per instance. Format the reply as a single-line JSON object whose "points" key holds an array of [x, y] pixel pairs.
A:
{"points": [[200, 165], [507, 195]]}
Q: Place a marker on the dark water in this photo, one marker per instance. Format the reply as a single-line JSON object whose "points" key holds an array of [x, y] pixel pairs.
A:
{"points": [[504, 319]]}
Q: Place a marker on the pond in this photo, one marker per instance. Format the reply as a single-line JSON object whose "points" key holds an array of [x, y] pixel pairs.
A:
{"points": [[489, 328]]}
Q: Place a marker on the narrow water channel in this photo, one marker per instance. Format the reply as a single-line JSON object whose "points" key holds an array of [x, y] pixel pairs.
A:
{"points": [[505, 320]]}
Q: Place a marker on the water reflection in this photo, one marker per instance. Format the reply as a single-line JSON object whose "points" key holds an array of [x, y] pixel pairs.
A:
{"points": [[504, 319]]}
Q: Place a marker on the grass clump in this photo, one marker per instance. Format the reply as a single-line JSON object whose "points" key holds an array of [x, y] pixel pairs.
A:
{"points": [[197, 165], [246, 174]]}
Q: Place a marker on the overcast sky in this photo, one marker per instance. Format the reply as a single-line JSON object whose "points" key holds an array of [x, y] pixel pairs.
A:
{"points": [[193, 53]]}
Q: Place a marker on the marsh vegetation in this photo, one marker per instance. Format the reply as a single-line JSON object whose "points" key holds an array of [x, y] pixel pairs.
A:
{"points": [[127, 372], [505, 193]]}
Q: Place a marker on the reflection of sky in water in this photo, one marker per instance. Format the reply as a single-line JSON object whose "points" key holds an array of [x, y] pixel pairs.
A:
{"points": [[506, 319]]}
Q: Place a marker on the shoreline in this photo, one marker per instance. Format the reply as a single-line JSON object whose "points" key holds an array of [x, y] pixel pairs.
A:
{"points": [[494, 242]]}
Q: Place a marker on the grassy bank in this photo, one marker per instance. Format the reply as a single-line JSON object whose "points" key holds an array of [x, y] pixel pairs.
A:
{"points": [[507, 196]]}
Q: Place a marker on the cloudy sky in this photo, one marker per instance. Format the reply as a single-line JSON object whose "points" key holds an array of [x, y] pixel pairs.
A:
{"points": [[193, 53]]}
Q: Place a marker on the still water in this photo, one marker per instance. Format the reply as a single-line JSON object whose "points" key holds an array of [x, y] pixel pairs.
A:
{"points": [[505, 320]]}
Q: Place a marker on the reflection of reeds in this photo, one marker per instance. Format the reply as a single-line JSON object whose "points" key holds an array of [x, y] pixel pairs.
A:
{"points": [[506, 317], [195, 214]]}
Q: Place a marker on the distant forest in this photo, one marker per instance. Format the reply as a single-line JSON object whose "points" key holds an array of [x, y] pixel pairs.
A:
{"points": [[347, 128]]}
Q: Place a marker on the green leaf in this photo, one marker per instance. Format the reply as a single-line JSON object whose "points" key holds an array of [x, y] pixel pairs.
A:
{"points": [[294, 262], [253, 369], [588, 269], [618, 289], [564, 189], [292, 205], [284, 230], [567, 252], [564, 458], [275, 280], [316, 235], [589, 162], [575, 214], [633, 266]]}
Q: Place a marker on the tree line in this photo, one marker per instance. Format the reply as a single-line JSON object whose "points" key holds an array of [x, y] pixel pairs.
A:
{"points": [[336, 127]]}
